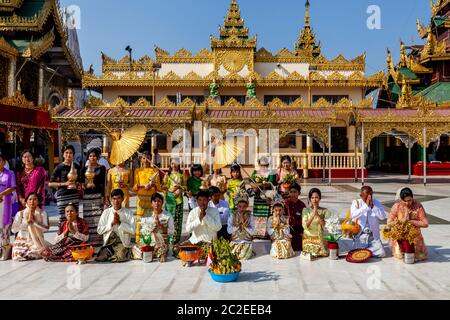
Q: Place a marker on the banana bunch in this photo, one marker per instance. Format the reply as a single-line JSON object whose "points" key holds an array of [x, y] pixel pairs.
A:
{"points": [[224, 260]]}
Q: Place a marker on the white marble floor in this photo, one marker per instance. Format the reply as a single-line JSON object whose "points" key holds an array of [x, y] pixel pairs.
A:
{"points": [[262, 277]]}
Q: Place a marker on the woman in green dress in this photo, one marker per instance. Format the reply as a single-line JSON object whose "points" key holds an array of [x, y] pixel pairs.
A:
{"points": [[264, 180], [175, 184], [313, 221], [233, 185]]}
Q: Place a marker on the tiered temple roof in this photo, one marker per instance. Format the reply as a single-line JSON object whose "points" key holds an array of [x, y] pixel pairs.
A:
{"points": [[34, 28], [233, 59], [420, 76]]}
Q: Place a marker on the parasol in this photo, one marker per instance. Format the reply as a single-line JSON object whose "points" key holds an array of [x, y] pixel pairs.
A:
{"points": [[126, 143], [225, 154]]}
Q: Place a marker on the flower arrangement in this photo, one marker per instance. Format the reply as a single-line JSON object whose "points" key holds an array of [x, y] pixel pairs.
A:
{"points": [[332, 228], [224, 261], [146, 236], [400, 231], [403, 232]]}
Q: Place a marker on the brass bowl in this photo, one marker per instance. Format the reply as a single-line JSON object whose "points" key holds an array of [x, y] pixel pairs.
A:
{"points": [[83, 254]]}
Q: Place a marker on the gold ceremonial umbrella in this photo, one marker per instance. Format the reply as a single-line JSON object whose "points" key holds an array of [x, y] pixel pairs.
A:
{"points": [[225, 154], [126, 143]]}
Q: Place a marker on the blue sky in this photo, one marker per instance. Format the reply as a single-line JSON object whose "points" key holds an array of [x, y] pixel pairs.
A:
{"points": [[111, 25]]}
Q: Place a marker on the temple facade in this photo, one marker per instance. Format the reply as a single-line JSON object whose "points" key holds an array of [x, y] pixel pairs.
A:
{"points": [[234, 85]]}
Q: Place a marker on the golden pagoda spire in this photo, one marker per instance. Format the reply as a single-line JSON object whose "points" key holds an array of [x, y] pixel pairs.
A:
{"points": [[234, 33], [306, 44], [233, 23], [307, 13]]}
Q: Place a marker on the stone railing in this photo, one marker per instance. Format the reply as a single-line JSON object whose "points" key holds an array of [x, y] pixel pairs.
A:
{"points": [[303, 160]]}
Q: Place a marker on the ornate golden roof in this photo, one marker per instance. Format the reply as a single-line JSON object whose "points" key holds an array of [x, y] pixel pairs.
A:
{"points": [[233, 34], [437, 7], [273, 79], [433, 48], [109, 64], [37, 23], [184, 56], [306, 44]]}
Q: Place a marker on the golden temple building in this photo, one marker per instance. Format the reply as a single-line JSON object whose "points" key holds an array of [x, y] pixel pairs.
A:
{"points": [[318, 105]]}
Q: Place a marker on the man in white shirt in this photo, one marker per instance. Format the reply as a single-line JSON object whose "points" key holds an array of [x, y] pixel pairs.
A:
{"points": [[203, 223], [368, 212], [221, 205], [117, 227]]}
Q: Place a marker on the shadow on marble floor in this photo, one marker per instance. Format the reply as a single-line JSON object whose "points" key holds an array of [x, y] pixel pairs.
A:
{"points": [[258, 276], [438, 254]]}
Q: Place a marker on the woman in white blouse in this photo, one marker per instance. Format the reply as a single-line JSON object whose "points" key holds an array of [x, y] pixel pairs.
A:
{"points": [[30, 225]]}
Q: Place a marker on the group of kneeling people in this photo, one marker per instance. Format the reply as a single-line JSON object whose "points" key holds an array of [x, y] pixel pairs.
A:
{"points": [[291, 226]]}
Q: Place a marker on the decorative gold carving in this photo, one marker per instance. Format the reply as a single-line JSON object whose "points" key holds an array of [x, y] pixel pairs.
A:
{"points": [[19, 100], [285, 52], [232, 103], [36, 23], [306, 44], [315, 76], [36, 49], [165, 102], [184, 56], [233, 34], [336, 76], [295, 76], [94, 102], [418, 68], [356, 76], [366, 103], [6, 49], [143, 64], [274, 76], [433, 47], [187, 102], [192, 76], [233, 61], [344, 103], [211, 102], [254, 102], [141, 102], [322, 103], [119, 102], [234, 77], [421, 29], [171, 76], [298, 103], [277, 103]]}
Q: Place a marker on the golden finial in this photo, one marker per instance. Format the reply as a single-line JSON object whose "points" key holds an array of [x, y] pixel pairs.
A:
{"points": [[403, 56], [421, 29], [307, 13]]}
